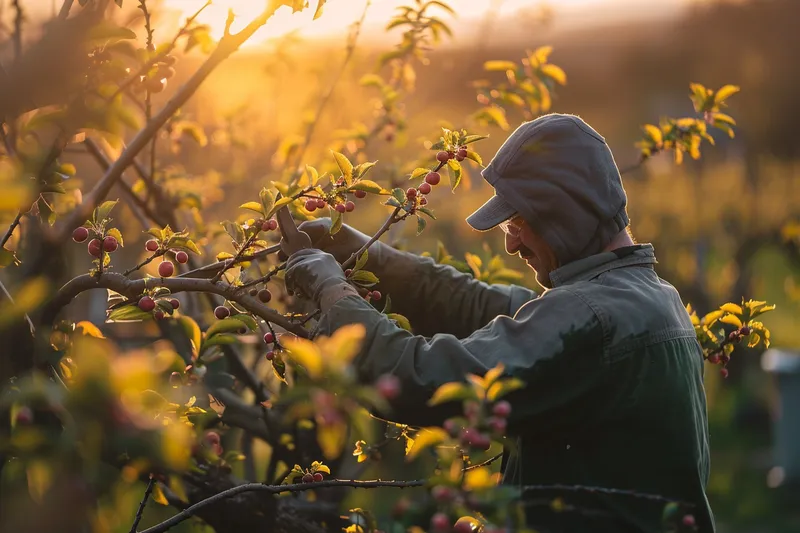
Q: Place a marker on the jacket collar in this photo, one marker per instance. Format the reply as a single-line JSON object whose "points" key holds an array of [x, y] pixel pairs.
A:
{"points": [[594, 265]]}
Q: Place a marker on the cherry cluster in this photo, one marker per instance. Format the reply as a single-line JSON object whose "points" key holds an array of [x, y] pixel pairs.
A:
{"points": [[99, 244], [155, 81], [720, 357], [481, 428], [148, 304]]}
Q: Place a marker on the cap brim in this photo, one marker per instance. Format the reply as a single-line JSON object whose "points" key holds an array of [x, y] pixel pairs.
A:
{"points": [[491, 214]]}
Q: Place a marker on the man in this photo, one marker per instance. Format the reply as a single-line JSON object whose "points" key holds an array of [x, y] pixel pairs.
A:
{"points": [[614, 372]]}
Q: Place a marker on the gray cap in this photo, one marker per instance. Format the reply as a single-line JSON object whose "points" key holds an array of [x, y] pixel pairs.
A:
{"points": [[558, 174]]}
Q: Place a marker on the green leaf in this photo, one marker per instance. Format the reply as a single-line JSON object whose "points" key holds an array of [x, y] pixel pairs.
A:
{"points": [[401, 320], [474, 157], [234, 230], [225, 325], [420, 224], [454, 167], [101, 212], [114, 232], [364, 277], [219, 339], [371, 80], [182, 243], [253, 206], [387, 306], [7, 257], [368, 186], [399, 195], [128, 313], [338, 221], [426, 438], [313, 175], [427, 211], [267, 201], [362, 260], [286, 200], [469, 139], [450, 392], [392, 201], [249, 321], [419, 173], [361, 170], [345, 166], [497, 65]]}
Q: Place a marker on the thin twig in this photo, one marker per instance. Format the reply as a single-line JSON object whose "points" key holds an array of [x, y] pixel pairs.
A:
{"points": [[147, 261], [208, 271], [139, 512], [485, 463], [386, 225], [227, 46], [266, 277], [65, 8], [323, 102], [18, 20], [11, 229], [10, 299], [236, 258], [277, 489]]}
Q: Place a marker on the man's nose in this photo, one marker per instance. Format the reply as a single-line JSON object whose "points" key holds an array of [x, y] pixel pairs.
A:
{"points": [[512, 244]]}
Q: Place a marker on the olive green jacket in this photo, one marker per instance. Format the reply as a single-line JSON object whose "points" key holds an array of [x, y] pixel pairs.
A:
{"points": [[614, 375]]}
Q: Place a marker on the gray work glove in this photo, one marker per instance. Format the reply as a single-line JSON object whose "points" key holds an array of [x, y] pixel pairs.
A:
{"points": [[317, 276]]}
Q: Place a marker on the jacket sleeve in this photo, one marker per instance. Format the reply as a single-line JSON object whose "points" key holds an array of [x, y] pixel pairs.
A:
{"points": [[542, 344], [440, 299]]}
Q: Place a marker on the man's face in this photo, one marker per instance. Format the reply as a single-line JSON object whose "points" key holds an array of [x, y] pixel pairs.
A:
{"points": [[522, 240]]}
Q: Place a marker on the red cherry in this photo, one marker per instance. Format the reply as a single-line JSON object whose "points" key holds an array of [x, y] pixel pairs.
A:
{"points": [[321, 203], [222, 312], [423, 200], [269, 338], [270, 355], [482, 442], [451, 427], [110, 244], [212, 437], [360, 194], [440, 523], [308, 478], [264, 295], [424, 187], [433, 178], [461, 154], [311, 205], [341, 208], [411, 193], [688, 520], [502, 409], [175, 303], [388, 386], [463, 526], [175, 379], [159, 314], [442, 156], [146, 304], [166, 269], [253, 292], [272, 224], [151, 245], [182, 257], [442, 494], [24, 416], [95, 247], [723, 372], [349, 206], [80, 234], [348, 272], [318, 476], [713, 358], [745, 330], [376, 295], [498, 425]]}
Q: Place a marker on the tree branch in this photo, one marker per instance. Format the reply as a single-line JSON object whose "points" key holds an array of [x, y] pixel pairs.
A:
{"points": [[227, 46], [65, 8], [277, 489], [150, 483], [11, 229], [133, 288]]}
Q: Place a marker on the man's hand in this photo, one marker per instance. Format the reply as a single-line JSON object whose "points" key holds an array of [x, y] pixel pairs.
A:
{"points": [[317, 276], [342, 245]]}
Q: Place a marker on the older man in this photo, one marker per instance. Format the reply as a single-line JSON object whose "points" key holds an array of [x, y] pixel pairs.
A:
{"points": [[614, 373]]}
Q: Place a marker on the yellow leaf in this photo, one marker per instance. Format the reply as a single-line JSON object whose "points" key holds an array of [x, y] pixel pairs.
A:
{"points": [[478, 478], [252, 206], [493, 373], [503, 387], [40, 478], [540, 55], [654, 133], [712, 317], [555, 73], [725, 92], [345, 166], [426, 438], [306, 354], [733, 320], [727, 119], [450, 392], [731, 308], [158, 495], [89, 329], [754, 340], [498, 65], [316, 466], [331, 439], [344, 344]]}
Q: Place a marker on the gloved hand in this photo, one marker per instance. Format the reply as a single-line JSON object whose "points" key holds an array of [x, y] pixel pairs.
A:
{"points": [[317, 276], [342, 245]]}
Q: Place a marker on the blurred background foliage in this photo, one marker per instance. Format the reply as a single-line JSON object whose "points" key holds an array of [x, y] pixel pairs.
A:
{"points": [[719, 224]]}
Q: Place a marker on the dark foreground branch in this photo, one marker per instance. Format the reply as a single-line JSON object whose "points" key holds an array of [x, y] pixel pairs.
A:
{"points": [[133, 288], [277, 489]]}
